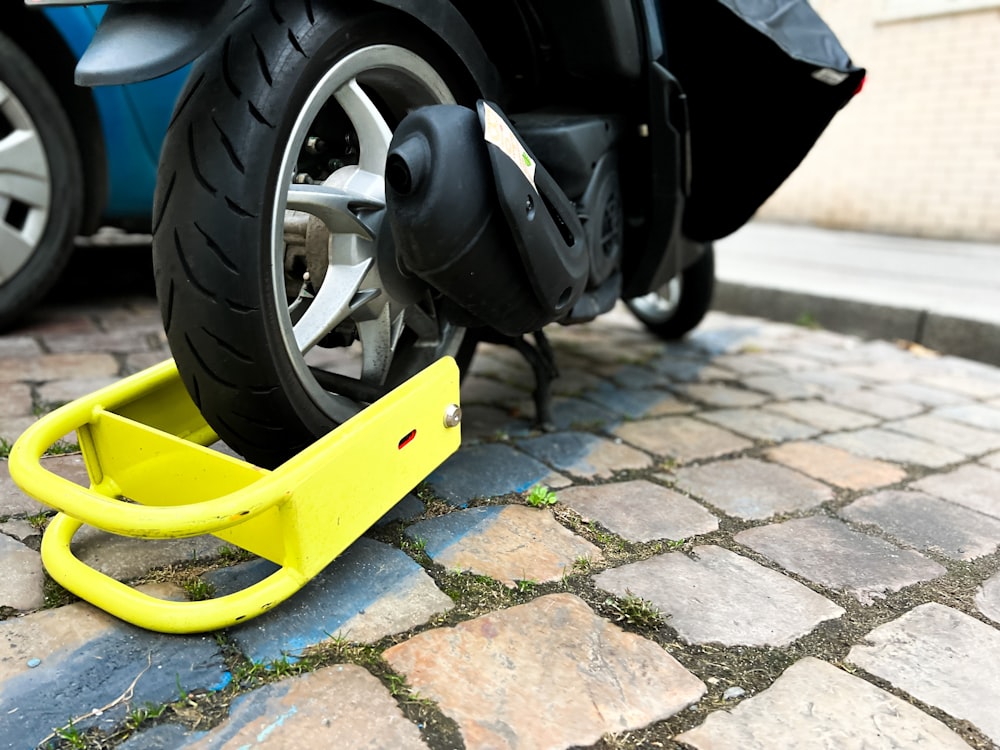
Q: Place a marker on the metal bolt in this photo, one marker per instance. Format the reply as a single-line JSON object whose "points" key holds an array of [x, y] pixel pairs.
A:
{"points": [[453, 415]]}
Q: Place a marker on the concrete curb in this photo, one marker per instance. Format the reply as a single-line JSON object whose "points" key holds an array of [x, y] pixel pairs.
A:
{"points": [[962, 337]]}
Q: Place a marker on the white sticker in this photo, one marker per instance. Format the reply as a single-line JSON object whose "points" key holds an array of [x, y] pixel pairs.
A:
{"points": [[498, 133], [829, 76]]}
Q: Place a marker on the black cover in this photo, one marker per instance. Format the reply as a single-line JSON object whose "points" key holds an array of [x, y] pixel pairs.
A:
{"points": [[763, 80]]}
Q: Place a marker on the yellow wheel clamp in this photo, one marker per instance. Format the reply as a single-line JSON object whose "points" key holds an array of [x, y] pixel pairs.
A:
{"points": [[152, 476]]}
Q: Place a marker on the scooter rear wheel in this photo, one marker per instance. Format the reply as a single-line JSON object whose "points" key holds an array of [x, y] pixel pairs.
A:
{"points": [[283, 305]]}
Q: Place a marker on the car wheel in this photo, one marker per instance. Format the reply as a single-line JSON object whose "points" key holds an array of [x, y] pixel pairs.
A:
{"points": [[41, 184]]}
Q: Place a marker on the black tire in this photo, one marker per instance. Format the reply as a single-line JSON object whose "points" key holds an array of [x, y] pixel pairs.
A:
{"points": [[41, 184], [677, 308], [219, 197]]}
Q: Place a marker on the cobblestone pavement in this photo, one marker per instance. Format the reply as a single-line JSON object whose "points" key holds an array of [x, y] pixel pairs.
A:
{"points": [[764, 537]]}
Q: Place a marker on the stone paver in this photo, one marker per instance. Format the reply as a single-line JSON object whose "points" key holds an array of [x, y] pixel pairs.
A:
{"points": [[18, 347], [87, 661], [58, 367], [120, 340], [717, 596], [942, 657], [123, 557], [976, 415], [752, 489], [550, 673], [922, 394], [553, 673], [725, 396], [640, 511], [823, 416], [508, 543], [782, 386], [969, 441], [14, 502], [682, 438], [836, 466], [877, 404], [58, 392], [971, 486], [827, 552], [479, 390], [754, 423], [680, 370], [636, 404], [486, 470], [928, 523], [966, 384], [584, 455], [15, 400], [580, 414], [815, 700], [370, 591], [893, 446], [341, 706], [23, 578], [988, 598]]}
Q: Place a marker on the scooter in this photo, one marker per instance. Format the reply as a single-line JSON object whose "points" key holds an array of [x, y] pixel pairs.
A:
{"points": [[352, 189]]}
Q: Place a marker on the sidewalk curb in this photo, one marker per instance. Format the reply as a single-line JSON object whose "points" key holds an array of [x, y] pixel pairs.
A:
{"points": [[947, 334]]}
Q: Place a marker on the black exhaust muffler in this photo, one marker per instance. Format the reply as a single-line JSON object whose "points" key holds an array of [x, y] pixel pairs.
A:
{"points": [[476, 217]]}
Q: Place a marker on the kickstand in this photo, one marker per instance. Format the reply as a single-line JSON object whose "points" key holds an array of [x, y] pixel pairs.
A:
{"points": [[543, 363]]}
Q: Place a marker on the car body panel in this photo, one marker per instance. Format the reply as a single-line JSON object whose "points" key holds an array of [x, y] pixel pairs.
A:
{"points": [[133, 118]]}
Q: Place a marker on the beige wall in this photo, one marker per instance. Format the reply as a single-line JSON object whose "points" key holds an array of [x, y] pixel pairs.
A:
{"points": [[918, 152]]}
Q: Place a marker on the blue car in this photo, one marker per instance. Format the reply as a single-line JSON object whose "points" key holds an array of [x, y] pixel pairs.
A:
{"points": [[71, 159]]}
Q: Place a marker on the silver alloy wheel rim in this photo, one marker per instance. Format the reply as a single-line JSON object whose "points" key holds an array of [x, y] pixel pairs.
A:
{"points": [[661, 305], [25, 186], [351, 287]]}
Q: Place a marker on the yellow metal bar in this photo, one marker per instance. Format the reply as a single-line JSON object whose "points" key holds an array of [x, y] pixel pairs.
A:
{"points": [[301, 515]]}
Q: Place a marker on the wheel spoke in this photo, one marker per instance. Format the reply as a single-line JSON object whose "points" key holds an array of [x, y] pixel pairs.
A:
{"points": [[334, 207], [23, 171], [379, 337], [373, 132], [334, 302]]}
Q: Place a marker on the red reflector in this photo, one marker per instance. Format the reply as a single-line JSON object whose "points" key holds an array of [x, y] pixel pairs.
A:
{"points": [[407, 439], [861, 86]]}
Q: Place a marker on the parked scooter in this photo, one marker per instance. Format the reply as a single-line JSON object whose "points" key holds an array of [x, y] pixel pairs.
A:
{"points": [[352, 189]]}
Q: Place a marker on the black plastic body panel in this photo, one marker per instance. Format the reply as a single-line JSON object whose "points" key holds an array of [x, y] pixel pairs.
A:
{"points": [[137, 41], [596, 39]]}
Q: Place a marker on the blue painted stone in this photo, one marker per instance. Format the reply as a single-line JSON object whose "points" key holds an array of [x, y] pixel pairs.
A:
{"points": [[632, 376], [483, 471], [405, 510], [366, 572], [444, 531], [71, 684], [678, 369], [567, 414], [32, 663], [564, 450], [631, 403], [576, 413]]}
